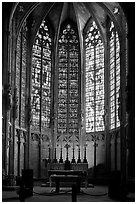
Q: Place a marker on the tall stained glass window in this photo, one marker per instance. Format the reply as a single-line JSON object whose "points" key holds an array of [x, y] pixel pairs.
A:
{"points": [[41, 79], [114, 76], [68, 80], [94, 74], [21, 52]]}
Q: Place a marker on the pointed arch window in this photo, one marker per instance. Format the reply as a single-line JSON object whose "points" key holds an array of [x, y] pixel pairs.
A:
{"points": [[68, 80], [94, 77], [41, 79], [21, 53], [114, 77]]}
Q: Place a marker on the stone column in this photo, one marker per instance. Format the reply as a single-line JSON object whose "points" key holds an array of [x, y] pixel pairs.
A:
{"points": [[39, 152], [106, 103], [13, 112], [29, 26], [5, 85], [122, 110], [18, 158], [24, 144]]}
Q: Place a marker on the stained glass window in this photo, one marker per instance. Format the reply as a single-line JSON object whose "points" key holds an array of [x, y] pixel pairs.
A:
{"points": [[114, 76], [23, 84], [94, 74], [41, 79], [18, 59], [21, 52], [68, 80]]}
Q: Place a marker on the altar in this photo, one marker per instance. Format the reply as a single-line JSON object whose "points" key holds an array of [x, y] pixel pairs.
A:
{"points": [[67, 178], [57, 173], [69, 170]]}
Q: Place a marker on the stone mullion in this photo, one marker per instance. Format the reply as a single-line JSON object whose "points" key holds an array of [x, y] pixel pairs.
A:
{"points": [[41, 81], [94, 88], [55, 111], [68, 88], [81, 103], [115, 77], [79, 110]]}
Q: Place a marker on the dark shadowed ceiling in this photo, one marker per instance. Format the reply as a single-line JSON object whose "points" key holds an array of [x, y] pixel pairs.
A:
{"points": [[58, 12]]}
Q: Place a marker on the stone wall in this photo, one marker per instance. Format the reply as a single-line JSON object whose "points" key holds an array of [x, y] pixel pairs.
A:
{"points": [[44, 149]]}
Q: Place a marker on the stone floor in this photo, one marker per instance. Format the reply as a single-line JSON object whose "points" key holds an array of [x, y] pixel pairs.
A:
{"points": [[47, 194]]}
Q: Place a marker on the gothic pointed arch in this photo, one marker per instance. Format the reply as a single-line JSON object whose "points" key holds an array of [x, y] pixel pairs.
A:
{"points": [[68, 80], [94, 78], [41, 79]]}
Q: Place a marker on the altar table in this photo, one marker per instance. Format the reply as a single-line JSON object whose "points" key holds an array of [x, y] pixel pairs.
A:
{"points": [[67, 178]]}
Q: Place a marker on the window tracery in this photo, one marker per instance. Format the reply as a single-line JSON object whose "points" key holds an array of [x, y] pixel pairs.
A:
{"points": [[68, 81], [41, 79], [94, 74], [21, 53], [114, 76]]}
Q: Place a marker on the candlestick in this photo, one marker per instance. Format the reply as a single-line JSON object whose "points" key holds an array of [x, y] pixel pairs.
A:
{"points": [[49, 160], [79, 160], [61, 160], [67, 162], [55, 159], [85, 159], [73, 159]]}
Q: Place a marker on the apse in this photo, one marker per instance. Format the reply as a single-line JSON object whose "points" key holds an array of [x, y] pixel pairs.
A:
{"points": [[70, 74]]}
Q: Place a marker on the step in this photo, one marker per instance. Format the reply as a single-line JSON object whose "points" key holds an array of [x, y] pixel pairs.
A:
{"points": [[64, 184]]}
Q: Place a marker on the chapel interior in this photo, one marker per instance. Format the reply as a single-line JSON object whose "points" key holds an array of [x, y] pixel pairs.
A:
{"points": [[68, 91]]}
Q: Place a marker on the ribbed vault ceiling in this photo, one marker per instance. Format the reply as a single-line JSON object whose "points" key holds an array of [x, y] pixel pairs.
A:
{"points": [[58, 12]]}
